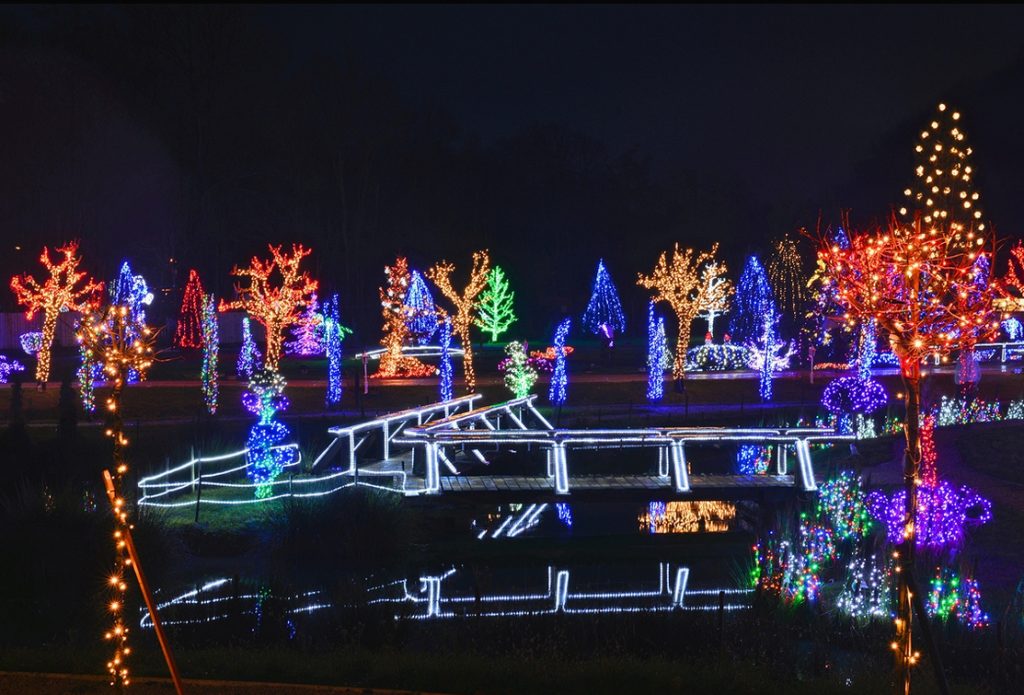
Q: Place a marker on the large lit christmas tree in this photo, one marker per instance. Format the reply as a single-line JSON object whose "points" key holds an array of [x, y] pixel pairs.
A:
{"points": [[751, 304], [604, 310], [420, 310]]}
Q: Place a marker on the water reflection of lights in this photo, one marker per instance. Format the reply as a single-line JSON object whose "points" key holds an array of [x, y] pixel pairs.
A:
{"points": [[516, 523], [687, 517], [432, 601], [206, 598]]}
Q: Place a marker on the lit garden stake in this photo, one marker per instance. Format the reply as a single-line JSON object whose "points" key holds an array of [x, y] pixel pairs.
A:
{"points": [[657, 355], [465, 305], [121, 348], [249, 356], [211, 347], [496, 314], [559, 377], [277, 305], [604, 315], [189, 331], [59, 292], [520, 376], [445, 380]]}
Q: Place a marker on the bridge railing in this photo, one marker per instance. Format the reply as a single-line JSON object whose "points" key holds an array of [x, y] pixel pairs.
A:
{"points": [[1005, 348], [416, 351]]}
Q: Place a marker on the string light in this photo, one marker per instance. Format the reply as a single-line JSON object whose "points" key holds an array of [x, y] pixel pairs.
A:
{"points": [[393, 363], [711, 357], [559, 377], [657, 355], [249, 356], [445, 380], [952, 595], [708, 516], [265, 457], [519, 375], [7, 366], [333, 335], [544, 360], [495, 306], [754, 301], [786, 277], [420, 310], [943, 513], [465, 304], [768, 354], [189, 331], [211, 348], [850, 395], [603, 315], [1014, 329], [714, 294], [57, 293], [306, 332], [31, 342], [275, 306], [841, 501], [867, 589], [678, 283], [753, 459]]}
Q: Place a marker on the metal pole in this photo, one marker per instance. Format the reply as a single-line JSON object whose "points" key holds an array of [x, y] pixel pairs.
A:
{"points": [[165, 647]]}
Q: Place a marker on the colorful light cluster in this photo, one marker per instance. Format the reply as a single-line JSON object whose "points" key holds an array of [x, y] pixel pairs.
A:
{"points": [[249, 356], [867, 589], [657, 355], [59, 292], [544, 360], [678, 283], [753, 459], [964, 411], [714, 294], [793, 571], [421, 318], [7, 366], [307, 331], [393, 363], [265, 458], [1013, 328], [709, 516], [712, 357], [465, 304], [564, 513], [519, 375], [851, 395], [211, 349], [132, 291], [189, 331], [842, 502], [88, 374], [953, 596], [559, 377], [31, 342], [943, 513], [603, 315], [276, 306], [495, 313], [445, 385]]}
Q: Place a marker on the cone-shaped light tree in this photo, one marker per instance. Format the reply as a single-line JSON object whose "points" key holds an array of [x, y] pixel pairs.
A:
{"points": [[677, 281], [396, 327], [715, 291], [66, 289], [604, 310], [919, 280], [189, 332], [276, 294], [465, 304], [420, 310], [495, 310], [753, 300]]}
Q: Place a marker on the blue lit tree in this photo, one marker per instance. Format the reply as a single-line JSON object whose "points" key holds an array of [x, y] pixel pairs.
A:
{"points": [[265, 457], [132, 291], [445, 380], [559, 377], [249, 357], [211, 347], [657, 355], [768, 353], [333, 334], [604, 311], [420, 310], [751, 304]]}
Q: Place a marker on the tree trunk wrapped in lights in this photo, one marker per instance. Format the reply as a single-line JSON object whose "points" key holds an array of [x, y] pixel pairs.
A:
{"points": [[919, 280], [396, 326], [277, 304], [59, 292], [465, 304]]}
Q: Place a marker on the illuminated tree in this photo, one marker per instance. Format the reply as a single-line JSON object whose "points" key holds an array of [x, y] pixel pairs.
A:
{"points": [[249, 355], [59, 292], [495, 307], [445, 371], [189, 332], [465, 304], [753, 299], [276, 295], [520, 376], [266, 456], [768, 354], [396, 329], [211, 348], [1015, 270], [657, 355], [919, 281], [307, 332], [678, 283], [559, 377], [132, 291], [420, 310], [604, 310], [333, 335], [786, 277], [715, 291]]}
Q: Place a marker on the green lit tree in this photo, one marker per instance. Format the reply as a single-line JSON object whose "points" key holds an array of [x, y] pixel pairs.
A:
{"points": [[496, 313], [520, 376]]}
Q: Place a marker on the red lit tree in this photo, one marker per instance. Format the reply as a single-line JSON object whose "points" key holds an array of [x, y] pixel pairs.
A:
{"points": [[59, 292], [396, 328], [189, 333], [924, 282], [276, 295]]}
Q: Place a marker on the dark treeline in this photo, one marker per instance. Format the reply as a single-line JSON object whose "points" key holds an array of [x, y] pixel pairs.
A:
{"points": [[198, 134]]}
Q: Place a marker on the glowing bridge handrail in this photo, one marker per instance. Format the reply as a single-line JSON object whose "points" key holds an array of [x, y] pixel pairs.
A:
{"points": [[414, 351]]}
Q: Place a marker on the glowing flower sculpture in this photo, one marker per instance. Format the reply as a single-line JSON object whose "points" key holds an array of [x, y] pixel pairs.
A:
{"points": [[7, 366], [265, 458], [59, 292]]}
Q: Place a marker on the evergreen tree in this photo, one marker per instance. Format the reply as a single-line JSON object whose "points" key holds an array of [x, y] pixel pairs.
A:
{"points": [[306, 334], [189, 332], [752, 302], [520, 375], [420, 310], [559, 377], [604, 310], [495, 312]]}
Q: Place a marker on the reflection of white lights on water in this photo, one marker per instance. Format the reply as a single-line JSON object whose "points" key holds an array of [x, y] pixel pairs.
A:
{"points": [[518, 522], [671, 594], [193, 599]]}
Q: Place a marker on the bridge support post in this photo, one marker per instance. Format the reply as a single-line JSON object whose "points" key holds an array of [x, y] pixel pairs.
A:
{"points": [[561, 590], [433, 474], [680, 476], [679, 590], [662, 462], [550, 463], [387, 441], [782, 464], [561, 468], [803, 457]]}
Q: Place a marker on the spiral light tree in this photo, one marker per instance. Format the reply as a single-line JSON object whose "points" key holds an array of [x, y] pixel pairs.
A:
{"points": [[61, 291], [465, 304], [276, 294], [918, 279]]}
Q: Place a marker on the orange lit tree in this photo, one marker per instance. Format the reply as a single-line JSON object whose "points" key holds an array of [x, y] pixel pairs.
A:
{"points": [[465, 304], [396, 327], [59, 292], [924, 281], [276, 295], [679, 283]]}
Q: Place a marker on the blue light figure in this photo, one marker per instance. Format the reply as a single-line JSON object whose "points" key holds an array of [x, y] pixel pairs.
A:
{"points": [[657, 355], [604, 315], [445, 370], [559, 377]]}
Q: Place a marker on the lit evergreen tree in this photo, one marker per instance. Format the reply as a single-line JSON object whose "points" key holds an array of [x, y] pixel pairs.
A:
{"points": [[520, 376], [249, 357], [559, 377], [752, 303], [495, 312], [604, 310], [420, 310]]}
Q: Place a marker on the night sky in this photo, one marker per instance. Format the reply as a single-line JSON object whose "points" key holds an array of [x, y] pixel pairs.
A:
{"points": [[552, 135]]}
